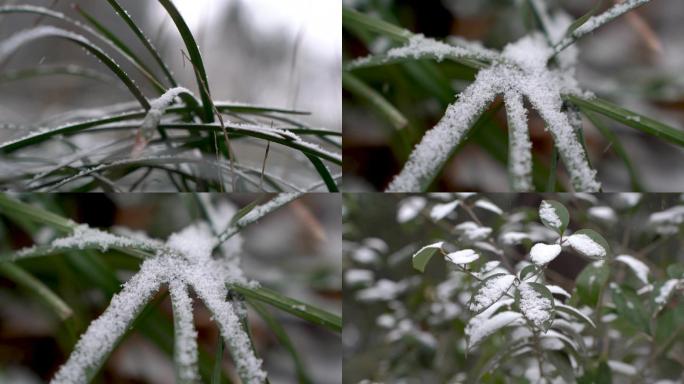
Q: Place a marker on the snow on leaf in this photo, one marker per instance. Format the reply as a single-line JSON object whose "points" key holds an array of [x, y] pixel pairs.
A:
{"points": [[586, 245], [354, 277], [536, 304], [637, 266], [554, 215], [257, 213], [489, 206], [423, 256], [479, 330], [409, 208], [544, 253], [471, 231], [602, 213], [622, 368], [614, 12], [662, 294], [185, 347], [490, 291], [520, 146], [465, 256], [437, 145], [441, 211], [574, 312], [513, 238], [556, 290]]}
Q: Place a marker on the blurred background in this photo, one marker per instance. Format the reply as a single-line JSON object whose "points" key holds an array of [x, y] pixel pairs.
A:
{"points": [[295, 250], [264, 52], [634, 61], [403, 326]]}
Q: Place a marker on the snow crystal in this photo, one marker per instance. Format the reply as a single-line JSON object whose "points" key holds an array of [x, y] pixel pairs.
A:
{"points": [[441, 211], [85, 237], [185, 349], [465, 256], [543, 253], [638, 267], [438, 144], [195, 242], [586, 246], [478, 330], [535, 307], [602, 213], [409, 208], [358, 276], [665, 291], [519, 154], [548, 213], [491, 290]]}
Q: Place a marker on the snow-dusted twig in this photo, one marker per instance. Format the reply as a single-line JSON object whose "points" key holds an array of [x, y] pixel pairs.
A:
{"points": [[597, 21], [257, 213]]}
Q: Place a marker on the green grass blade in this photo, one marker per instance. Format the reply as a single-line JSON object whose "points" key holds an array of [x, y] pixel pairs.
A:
{"points": [[284, 339], [359, 89], [295, 307], [619, 150], [53, 32], [216, 376], [144, 40], [324, 172], [357, 21], [37, 288], [195, 57], [630, 119]]}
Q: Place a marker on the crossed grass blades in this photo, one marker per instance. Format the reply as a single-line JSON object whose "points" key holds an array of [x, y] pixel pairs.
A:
{"points": [[203, 257], [539, 67], [162, 135]]}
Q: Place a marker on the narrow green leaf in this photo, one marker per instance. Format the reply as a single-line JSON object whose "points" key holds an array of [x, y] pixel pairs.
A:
{"points": [[423, 256], [603, 374], [216, 375], [590, 281], [359, 89], [37, 288], [583, 19]]}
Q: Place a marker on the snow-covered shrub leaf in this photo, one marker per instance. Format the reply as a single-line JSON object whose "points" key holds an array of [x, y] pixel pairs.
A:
{"points": [[409, 208], [423, 256], [554, 215], [358, 277], [464, 256], [544, 253], [476, 331], [637, 266], [629, 306], [556, 290], [574, 312], [491, 290], [662, 294], [536, 304], [471, 231], [590, 281], [440, 211], [588, 243], [488, 206], [622, 368], [603, 214]]}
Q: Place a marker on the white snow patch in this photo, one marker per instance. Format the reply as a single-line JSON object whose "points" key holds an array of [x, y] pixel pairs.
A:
{"points": [[478, 330], [358, 276], [440, 211], [409, 208], [586, 246], [535, 307], [489, 206], [638, 267], [543, 253], [465, 256], [548, 213], [603, 213], [490, 292], [666, 291]]}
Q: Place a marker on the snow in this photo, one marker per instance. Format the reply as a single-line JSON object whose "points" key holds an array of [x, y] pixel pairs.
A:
{"points": [[358, 276], [638, 267], [421, 47], [478, 330], [623, 368], [153, 118], [383, 290], [489, 206], [556, 290], [491, 290], [257, 213], [513, 238], [409, 208], [440, 211], [519, 154], [365, 255], [535, 307], [548, 213], [614, 12], [543, 253], [665, 291], [586, 246], [465, 256], [185, 349], [628, 199], [472, 231], [602, 213], [437, 144]]}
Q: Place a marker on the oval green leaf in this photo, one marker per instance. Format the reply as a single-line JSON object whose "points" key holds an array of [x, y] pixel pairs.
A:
{"points": [[423, 256], [554, 215]]}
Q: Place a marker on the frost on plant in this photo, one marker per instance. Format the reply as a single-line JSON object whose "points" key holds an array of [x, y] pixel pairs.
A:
{"points": [[184, 262], [538, 68]]}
